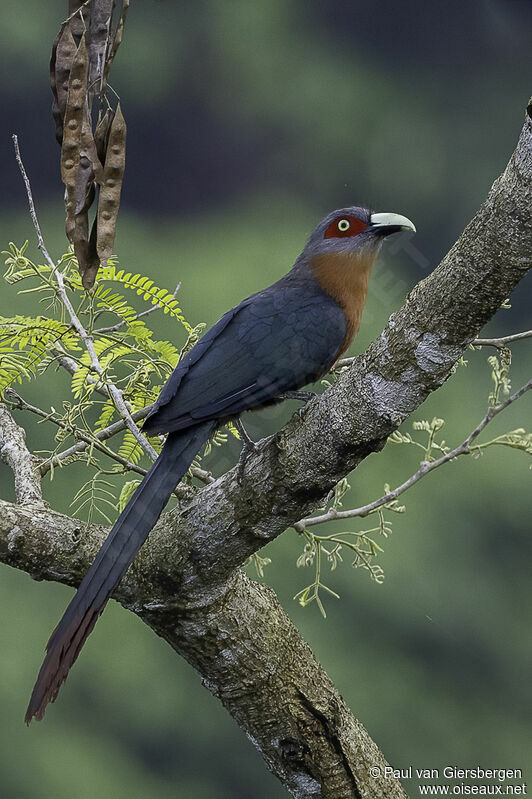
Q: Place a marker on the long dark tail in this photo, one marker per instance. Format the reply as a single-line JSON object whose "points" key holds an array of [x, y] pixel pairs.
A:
{"points": [[117, 553]]}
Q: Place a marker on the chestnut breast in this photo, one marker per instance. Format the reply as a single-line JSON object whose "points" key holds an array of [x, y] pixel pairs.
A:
{"points": [[345, 277]]}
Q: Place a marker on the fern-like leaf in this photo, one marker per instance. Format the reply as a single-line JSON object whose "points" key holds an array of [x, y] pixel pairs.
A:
{"points": [[146, 289], [130, 448], [26, 341]]}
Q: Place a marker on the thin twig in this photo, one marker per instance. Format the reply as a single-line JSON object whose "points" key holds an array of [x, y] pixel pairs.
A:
{"points": [[87, 440], [502, 342], [96, 367], [78, 11], [343, 362], [71, 366], [96, 439], [425, 467], [202, 475], [101, 435], [156, 307]]}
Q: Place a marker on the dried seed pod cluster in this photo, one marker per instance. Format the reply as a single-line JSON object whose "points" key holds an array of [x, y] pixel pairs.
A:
{"points": [[92, 161]]}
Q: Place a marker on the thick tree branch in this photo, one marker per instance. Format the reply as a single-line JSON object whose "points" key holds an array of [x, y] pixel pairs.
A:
{"points": [[233, 630], [23, 464], [240, 640]]}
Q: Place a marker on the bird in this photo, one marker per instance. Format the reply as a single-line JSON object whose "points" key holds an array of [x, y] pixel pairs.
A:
{"points": [[268, 346]]}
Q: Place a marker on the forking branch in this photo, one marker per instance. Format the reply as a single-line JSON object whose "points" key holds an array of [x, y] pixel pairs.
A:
{"points": [[465, 448]]}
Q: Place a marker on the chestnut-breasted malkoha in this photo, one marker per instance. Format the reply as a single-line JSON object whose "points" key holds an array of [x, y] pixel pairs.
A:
{"points": [[275, 341]]}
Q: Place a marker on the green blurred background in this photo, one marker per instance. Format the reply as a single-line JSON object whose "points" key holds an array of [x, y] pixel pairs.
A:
{"points": [[247, 122]]}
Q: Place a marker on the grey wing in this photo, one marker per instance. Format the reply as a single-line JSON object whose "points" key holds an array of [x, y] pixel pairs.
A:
{"points": [[273, 342]]}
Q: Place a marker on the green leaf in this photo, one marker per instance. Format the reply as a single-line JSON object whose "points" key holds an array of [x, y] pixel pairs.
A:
{"points": [[127, 492]]}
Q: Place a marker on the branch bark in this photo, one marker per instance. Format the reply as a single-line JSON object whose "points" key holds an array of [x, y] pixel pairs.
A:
{"points": [[23, 464], [231, 629]]}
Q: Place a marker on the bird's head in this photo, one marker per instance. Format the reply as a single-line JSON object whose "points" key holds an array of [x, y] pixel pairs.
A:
{"points": [[354, 230], [341, 251]]}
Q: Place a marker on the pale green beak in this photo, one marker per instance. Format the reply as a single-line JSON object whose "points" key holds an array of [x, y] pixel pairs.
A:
{"points": [[390, 223]]}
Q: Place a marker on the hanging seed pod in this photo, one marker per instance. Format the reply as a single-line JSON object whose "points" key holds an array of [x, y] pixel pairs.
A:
{"points": [[81, 222], [85, 246], [73, 125], [90, 171], [101, 134], [63, 51], [92, 164], [84, 183], [81, 242], [90, 167], [117, 38], [92, 263], [100, 22], [89, 148], [111, 186]]}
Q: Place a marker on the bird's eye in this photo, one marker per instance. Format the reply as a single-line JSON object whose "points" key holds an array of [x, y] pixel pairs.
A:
{"points": [[344, 227]]}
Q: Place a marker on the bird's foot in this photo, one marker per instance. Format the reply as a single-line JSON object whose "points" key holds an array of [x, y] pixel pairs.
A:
{"points": [[303, 396], [248, 446]]}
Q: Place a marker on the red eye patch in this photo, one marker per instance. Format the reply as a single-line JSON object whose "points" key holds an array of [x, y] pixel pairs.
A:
{"points": [[344, 227]]}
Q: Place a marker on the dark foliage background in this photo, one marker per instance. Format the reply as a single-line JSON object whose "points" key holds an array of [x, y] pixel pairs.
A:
{"points": [[247, 122]]}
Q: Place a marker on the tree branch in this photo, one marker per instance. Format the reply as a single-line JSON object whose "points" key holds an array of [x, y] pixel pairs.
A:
{"points": [[465, 448], [23, 464], [70, 366], [95, 440], [503, 341], [84, 444], [233, 630], [247, 650]]}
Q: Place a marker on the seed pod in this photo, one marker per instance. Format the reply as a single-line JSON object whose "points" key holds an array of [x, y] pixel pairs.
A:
{"points": [[84, 183], [111, 185], [117, 38], [63, 51], [101, 134], [74, 114], [90, 170], [90, 167], [101, 14], [81, 241], [92, 263], [80, 237]]}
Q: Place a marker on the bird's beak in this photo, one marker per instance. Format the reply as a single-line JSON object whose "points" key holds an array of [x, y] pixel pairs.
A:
{"points": [[384, 224]]}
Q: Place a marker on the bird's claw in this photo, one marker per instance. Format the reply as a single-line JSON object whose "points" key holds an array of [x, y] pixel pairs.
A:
{"points": [[302, 396], [248, 446]]}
